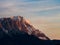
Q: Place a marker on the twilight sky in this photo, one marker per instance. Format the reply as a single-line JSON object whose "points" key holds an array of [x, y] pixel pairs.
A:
{"points": [[43, 14]]}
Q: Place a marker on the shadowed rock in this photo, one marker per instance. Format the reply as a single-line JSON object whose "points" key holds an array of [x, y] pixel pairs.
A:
{"points": [[16, 30], [17, 23]]}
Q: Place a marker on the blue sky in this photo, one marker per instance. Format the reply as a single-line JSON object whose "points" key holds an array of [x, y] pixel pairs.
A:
{"points": [[43, 14], [29, 7]]}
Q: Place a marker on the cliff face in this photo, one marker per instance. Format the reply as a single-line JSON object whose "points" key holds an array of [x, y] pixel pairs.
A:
{"points": [[16, 25]]}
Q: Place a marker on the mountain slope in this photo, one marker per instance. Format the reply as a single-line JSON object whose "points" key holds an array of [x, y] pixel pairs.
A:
{"points": [[18, 31], [13, 25]]}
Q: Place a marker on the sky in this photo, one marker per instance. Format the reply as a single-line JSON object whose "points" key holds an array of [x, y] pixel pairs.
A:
{"points": [[43, 14]]}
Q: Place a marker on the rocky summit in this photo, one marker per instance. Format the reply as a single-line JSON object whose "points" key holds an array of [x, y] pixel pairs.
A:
{"points": [[17, 30], [13, 25]]}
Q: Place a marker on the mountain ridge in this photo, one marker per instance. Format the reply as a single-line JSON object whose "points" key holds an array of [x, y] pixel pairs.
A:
{"points": [[18, 23]]}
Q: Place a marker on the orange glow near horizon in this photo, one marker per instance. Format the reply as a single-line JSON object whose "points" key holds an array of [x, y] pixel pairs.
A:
{"points": [[48, 26]]}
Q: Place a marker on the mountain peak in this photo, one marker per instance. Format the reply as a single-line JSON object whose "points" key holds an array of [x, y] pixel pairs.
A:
{"points": [[15, 24]]}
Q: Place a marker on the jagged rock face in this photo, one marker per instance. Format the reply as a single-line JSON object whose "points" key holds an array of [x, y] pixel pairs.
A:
{"points": [[16, 25]]}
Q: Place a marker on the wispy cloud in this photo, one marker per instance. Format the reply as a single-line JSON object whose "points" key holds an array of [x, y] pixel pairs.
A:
{"points": [[12, 7]]}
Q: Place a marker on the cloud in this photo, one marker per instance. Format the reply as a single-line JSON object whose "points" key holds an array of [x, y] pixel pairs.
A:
{"points": [[11, 7]]}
